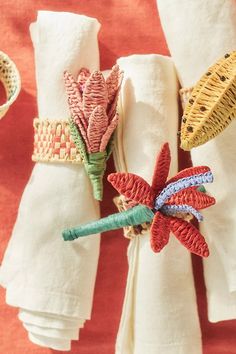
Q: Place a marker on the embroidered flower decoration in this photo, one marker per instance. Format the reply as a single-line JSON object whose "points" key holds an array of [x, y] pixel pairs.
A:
{"points": [[93, 102], [166, 204]]}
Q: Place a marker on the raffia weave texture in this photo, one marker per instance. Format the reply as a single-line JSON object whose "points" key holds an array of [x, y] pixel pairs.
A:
{"points": [[10, 78], [53, 142], [130, 231], [212, 104]]}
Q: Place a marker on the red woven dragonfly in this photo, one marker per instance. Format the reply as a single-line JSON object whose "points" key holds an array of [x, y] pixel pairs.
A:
{"points": [[166, 204]]}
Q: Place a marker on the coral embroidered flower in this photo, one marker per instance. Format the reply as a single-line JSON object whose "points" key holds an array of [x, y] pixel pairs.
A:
{"points": [[166, 204], [93, 101]]}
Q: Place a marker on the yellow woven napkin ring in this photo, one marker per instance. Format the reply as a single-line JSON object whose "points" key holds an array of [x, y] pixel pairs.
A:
{"points": [[10, 78], [53, 142], [211, 107]]}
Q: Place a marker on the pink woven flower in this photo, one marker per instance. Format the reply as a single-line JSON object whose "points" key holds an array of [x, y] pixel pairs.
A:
{"points": [[93, 101]]}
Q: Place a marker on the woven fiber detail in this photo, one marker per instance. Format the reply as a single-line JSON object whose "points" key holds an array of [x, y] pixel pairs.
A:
{"points": [[211, 105], [130, 231], [92, 101], [133, 187], [10, 78], [53, 142]]}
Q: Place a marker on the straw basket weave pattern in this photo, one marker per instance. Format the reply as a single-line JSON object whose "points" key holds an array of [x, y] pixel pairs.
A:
{"points": [[130, 231], [211, 105], [53, 142], [10, 78]]}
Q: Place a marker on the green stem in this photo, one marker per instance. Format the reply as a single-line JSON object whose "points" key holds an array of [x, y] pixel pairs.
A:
{"points": [[95, 167], [201, 189], [133, 216]]}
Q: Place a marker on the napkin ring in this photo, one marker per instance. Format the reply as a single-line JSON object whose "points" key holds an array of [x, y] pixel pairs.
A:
{"points": [[53, 142], [211, 105], [130, 232], [10, 78], [165, 204]]}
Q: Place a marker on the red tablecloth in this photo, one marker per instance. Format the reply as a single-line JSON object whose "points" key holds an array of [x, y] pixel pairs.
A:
{"points": [[127, 27]]}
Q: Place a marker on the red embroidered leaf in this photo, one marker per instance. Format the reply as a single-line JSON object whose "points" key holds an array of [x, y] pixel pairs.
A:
{"points": [[133, 187], [95, 93], [192, 197], [97, 127], [189, 172], [189, 236], [160, 232], [161, 170]]}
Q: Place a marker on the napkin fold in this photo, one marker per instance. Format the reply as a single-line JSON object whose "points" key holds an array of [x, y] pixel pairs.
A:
{"points": [[51, 281], [159, 311], [198, 33]]}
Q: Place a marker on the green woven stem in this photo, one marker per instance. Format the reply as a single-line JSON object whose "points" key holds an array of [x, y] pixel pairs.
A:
{"points": [[78, 140], [95, 163], [134, 216], [95, 167]]}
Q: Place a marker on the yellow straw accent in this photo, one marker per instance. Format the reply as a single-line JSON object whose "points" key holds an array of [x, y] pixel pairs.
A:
{"points": [[211, 105]]}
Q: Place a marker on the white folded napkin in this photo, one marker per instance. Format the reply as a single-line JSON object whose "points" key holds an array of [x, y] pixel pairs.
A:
{"points": [[198, 33], [52, 281], [159, 312]]}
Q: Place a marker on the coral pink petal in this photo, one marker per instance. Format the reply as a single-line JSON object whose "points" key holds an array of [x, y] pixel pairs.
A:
{"points": [[113, 82], [95, 93], [74, 101], [83, 76], [189, 236], [189, 172], [107, 135], [160, 232], [161, 170], [72, 89], [98, 123], [192, 197], [133, 187], [112, 108]]}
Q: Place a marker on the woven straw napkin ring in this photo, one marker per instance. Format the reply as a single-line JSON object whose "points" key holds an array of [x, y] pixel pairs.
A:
{"points": [[89, 133], [210, 106], [10, 78]]}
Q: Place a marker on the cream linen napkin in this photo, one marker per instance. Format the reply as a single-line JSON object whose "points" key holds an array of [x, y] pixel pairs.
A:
{"points": [[159, 312], [52, 281], [198, 33]]}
